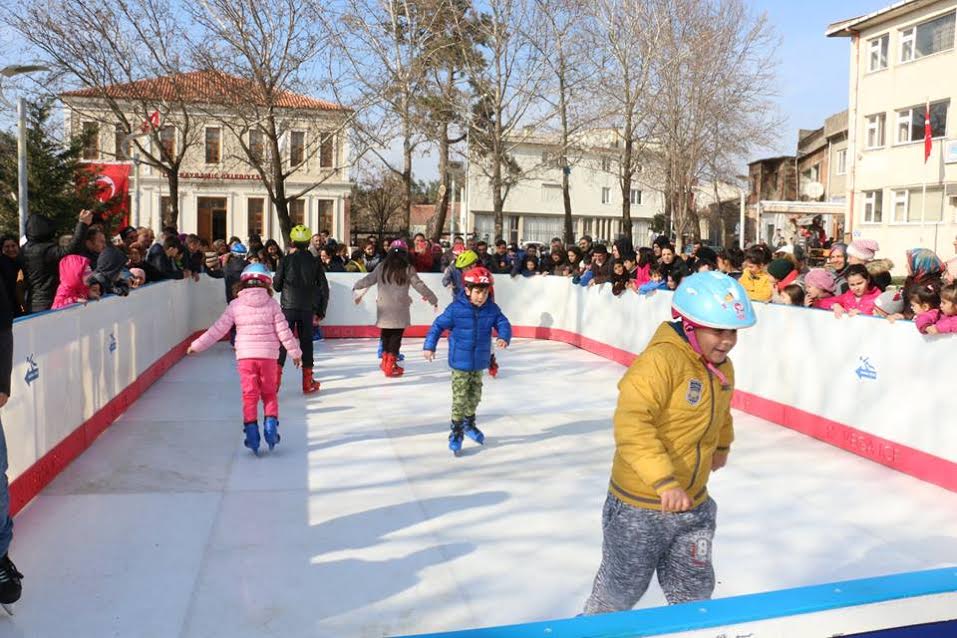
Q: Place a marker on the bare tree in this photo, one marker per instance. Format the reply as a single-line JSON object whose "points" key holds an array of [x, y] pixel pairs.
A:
{"points": [[261, 50], [623, 55], [124, 65], [387, 48], [377, 201], [508, 89], [713, 102], [560, 40]]}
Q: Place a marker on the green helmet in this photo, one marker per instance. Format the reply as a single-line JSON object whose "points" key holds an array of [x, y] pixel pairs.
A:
{"points": [[466, 259], [300, 234]]}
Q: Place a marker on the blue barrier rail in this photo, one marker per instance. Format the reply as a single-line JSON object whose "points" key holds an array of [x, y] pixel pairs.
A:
{"points": [[733, 611]]}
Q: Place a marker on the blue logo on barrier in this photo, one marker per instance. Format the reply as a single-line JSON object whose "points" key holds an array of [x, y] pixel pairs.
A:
{"points": [[33, 372], [866, 370], [112, 343]]}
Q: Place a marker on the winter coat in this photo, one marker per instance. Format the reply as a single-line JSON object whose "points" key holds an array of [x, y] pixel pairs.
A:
{"points": [[643, 275], [863, 304], [470, 333], [10, 271], [74, 272], [370, 263], [946, 325], [393, 302], [260, 327], [452, 278], [41, 260], [302, 281], [925, 320], [109, 271], [164, 265], [758, 288], [422, 262], [672, 416], [651, 285]]}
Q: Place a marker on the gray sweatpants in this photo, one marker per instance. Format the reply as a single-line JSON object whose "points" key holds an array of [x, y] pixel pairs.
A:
{"points": [[638, 542]]}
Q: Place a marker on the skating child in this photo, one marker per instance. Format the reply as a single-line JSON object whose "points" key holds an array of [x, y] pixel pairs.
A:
{"points": [[469, 319], [261, 328], [947, 322], [673, 428], [393, 278]]}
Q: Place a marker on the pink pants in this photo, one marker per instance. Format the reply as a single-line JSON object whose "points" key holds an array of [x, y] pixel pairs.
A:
{"points": [[259, 378]]}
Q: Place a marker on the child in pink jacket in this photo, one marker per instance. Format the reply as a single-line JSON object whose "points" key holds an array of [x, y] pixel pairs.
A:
{"points": [[260, 328], [75, 285], [861, 293], [947, 320], [925, 304]]}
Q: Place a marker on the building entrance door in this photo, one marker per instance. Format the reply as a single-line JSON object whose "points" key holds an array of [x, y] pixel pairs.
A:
{"points": [[211, 218]]}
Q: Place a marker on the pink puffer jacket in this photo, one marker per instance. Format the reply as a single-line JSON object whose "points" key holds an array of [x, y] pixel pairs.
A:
{"points": [[260, 327]]}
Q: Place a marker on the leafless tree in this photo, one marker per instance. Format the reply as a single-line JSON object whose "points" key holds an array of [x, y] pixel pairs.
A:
{"points": [[713, 104], [508, 89], [377, 201], [622, 58], [387, 48], [258, 53], [100, 48]]}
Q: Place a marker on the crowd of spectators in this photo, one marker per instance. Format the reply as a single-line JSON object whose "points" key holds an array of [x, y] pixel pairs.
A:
{"points": [[49, 272]]}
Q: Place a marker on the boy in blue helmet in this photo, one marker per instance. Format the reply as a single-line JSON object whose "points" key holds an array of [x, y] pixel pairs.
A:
{"points": [[673, 428]]}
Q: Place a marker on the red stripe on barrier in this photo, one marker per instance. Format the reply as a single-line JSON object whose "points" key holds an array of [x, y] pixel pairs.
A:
{"points": [[41, 473], [896, 456]]}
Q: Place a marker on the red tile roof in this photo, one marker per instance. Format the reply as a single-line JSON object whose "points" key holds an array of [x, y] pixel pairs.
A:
{"points": [[209, 87], [420, 214]]}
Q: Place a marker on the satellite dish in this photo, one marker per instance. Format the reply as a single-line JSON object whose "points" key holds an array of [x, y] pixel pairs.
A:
{"points": [[814, 190]]}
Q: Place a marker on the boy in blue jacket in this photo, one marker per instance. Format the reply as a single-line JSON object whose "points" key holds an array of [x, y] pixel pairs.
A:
{"points": [[469, 319]]}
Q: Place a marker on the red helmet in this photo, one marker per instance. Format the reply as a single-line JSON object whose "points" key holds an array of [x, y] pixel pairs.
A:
{"points": [[478, 276]]}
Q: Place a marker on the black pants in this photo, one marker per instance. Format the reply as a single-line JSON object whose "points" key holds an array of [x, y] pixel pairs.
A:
{"points": [[300, 322], [392, 340]]}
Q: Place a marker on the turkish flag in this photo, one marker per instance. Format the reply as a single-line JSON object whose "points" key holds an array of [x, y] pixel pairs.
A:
{"points": [[927, 133], [113, 182]]}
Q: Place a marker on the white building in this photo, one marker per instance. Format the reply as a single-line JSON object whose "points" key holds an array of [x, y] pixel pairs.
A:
{"points": [[902, 57], [534, 210], [220, 192]]}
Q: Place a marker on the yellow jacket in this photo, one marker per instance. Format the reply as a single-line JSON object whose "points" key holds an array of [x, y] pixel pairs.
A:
{"points": [[759, 288], [672, 415]]}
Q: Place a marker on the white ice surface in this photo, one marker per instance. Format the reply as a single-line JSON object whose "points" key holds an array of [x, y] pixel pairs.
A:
{"points": [[361, 523]]}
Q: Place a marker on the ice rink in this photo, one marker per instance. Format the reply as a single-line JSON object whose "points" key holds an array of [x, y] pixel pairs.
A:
{"points": [[362, 524]]}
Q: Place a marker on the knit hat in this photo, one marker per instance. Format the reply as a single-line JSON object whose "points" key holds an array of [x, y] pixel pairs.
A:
{"points": [[139, 273], [780, 268], [863, 249], [820, 278], [890, 302]]}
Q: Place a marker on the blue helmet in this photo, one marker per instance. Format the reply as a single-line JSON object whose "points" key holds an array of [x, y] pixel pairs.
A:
{"points": [[238, 249], [713, 300], [258, 272]]}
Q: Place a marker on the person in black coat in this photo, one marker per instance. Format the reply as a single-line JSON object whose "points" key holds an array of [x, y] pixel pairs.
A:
{"points": [[10, 588], [42, 255], [109, 272], [165, 261], [305, 294], [11, 265]]}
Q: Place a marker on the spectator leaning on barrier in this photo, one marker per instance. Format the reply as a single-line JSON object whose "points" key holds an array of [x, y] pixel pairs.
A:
{"points": [[42, 255], [861, 293], [837, 263], [731, 262], [924, 268], [819, 285], [755, 278], [165, 262], [947, 321], [924, 302], [76, 282], [11, 272]]}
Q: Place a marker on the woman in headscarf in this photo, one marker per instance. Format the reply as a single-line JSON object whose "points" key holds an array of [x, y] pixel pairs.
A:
{"points": [[924, 268]]}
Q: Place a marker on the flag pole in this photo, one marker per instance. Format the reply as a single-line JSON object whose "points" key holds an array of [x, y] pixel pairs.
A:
{"points": [[923, 199]]}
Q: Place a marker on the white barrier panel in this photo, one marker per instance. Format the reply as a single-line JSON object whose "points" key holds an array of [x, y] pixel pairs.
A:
{"points": [[69, 364], [799, 367]]}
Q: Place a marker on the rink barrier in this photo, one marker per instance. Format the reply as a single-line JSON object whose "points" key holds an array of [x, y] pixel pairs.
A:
{"points": [[877, 389], [921, 604], [76, 370]]}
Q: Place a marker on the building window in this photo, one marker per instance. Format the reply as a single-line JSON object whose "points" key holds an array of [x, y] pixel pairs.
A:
{"points": [[256, 146], [91, 146], [635, 197], [606, 164], [168, 141], [119, 135], [605, 195], [326, 215], [812, 174], [254, 216], [214, 148], [878, 57], [326, 147], [910, 122], [841, 162], [551, 194], [297, 212], [873, 207], [297, 148], [875, 130], [910, 206], [928, 38]]}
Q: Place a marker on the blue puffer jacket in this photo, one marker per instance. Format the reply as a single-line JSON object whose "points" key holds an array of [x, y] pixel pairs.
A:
{"points": [[470, 338]]}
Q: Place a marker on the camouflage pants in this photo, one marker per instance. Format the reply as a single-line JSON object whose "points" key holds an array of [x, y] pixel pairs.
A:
{"points": [[466, 393]]}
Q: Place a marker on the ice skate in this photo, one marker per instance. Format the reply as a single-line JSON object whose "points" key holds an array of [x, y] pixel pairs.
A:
{"points": [[252, 437], [10, 588], [455, 438], [473, 432], [271, 431]]}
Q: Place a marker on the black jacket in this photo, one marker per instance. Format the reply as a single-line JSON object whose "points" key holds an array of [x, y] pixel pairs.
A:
{"points": [[302, 281], [109, 268], [9, 272], [41, 260], [164, 265]]}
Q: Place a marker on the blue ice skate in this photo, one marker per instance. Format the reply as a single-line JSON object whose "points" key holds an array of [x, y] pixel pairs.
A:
{"points": [[455, 438], [401, 356], [252, 436], [473, 432], [271, 431]]}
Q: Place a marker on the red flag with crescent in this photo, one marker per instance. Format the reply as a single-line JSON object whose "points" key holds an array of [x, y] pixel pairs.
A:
{"points": [[113, 187]]}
